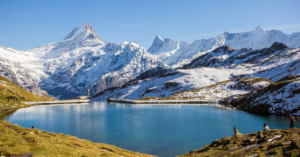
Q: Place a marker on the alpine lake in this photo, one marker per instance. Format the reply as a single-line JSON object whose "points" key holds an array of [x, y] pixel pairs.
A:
{"points": [[162, 130]]}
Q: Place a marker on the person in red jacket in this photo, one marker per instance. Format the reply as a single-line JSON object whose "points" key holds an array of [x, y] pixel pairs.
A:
{"points": [[292, 121]]}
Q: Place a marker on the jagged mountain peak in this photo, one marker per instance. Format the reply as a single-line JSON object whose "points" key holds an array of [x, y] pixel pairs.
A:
{"points": [[258, 28], [88, 26], [133, 45], [85, 31], [156, 45], [133, 41], [157, 37]]}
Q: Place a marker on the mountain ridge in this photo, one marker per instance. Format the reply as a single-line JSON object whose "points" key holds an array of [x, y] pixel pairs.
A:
{"points": [[216, 66], [83, 64], [173, 53]]}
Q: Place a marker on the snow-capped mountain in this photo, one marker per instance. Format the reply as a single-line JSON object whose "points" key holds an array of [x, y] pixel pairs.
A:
{"points": [[82, 64], [219, 65], [85, 36], [282, 98], [99, 68], [20, 67], [178, 53]]}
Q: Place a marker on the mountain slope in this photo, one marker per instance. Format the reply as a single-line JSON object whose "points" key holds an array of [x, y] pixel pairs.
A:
{"points": [[22, 69], [222, 64], [281, 97], [98, 69], [221, 90], [177, 53]]}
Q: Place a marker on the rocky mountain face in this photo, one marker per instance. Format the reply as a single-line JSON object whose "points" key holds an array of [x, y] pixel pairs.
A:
{"points": [[215, 66], [82, 64], [18, 66], [281, 97], [176, 54], [225, 56], [225, 89]]}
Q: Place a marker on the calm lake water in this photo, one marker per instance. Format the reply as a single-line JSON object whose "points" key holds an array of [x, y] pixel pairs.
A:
{"points": [[165, 130]]}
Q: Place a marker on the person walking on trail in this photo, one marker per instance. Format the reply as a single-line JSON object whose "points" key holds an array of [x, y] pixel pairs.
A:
{"points": [[236, 131], [266, 127], [292, 121]]}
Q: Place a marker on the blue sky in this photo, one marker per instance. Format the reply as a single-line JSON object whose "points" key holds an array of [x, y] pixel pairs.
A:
{"points": [[27, 24]]}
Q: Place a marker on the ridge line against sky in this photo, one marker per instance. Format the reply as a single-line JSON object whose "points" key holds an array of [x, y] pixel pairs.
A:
{"points": [[27, 24]]}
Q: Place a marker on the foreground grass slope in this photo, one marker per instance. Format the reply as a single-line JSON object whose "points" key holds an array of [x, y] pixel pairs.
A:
{"points": [[17, 140], [11, 95], [283, 142]]}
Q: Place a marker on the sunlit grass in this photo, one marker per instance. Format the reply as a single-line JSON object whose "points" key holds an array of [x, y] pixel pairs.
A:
{"points": [[11, 95], [17, 140]]}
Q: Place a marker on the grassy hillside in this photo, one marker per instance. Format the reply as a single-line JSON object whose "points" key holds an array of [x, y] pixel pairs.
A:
{"points": [[11, 95], [17, 140], [281, 97], [283, 142]]}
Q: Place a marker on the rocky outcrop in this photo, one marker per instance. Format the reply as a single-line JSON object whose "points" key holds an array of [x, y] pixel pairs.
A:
{"points": [[278, 98]]}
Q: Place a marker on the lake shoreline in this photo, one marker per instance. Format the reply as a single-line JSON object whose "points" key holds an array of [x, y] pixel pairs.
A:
{"points": [[10, 109], [131, 101], [172, 101], [57, 102]]}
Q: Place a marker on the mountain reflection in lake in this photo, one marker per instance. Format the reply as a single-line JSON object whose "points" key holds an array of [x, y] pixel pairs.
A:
{"points": [[164, 130]]}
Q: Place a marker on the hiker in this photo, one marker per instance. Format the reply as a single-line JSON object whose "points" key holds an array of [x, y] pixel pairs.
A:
{"points": [[292, 121], [266, 127], [32, 127], [236, 131]]}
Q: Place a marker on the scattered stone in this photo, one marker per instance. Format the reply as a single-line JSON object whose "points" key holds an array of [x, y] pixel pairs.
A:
{"points": [[287, 143]]}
